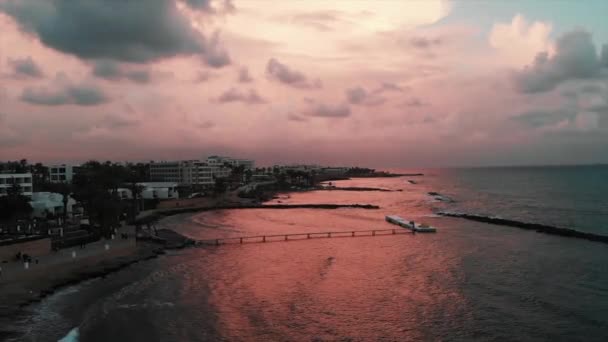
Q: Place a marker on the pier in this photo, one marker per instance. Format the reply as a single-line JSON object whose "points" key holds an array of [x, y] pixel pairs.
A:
{"points": [[302, 236]]}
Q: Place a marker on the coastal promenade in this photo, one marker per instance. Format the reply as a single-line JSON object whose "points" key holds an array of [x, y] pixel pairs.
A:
{"points": [[69, 257], [20, 286]]}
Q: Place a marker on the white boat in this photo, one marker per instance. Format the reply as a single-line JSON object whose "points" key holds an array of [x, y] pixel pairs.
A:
{"points": [[421, 228]]}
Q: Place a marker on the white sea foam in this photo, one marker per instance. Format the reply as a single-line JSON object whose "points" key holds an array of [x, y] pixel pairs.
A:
{"points": [[72, 336]]}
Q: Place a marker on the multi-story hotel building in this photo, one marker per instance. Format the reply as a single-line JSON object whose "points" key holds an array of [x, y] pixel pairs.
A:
{"points": [[62, 173], [23, 179], [196, 172]]}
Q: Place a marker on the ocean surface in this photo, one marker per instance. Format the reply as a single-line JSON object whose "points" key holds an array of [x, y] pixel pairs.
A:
{"points": [[469, 281]]}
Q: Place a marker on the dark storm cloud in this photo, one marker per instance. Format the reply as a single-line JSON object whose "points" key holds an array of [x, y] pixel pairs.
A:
{"points": [[282, 73], [360, 96], [575, 58], [329, 111], [25, 67], [69, 94], [131, 31], [111, 70], [235, 95]]}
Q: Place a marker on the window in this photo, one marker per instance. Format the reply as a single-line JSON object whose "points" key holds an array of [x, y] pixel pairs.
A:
{"points": [[62, 177], [62, 170], [54, 177]]}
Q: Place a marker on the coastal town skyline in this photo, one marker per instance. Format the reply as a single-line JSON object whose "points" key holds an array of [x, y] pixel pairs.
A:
{"points": [[397, 84]]}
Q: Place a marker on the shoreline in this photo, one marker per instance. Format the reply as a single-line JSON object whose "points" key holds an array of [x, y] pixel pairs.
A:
{"points": [[18, 294]]}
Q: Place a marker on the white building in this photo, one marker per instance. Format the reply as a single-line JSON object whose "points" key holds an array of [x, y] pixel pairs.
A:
{"points": [[168, 171], [196, 172], [202, 173], [159, 190], [62, 173], [152, 190], [49, 202], [23, 179], [222, 161]]}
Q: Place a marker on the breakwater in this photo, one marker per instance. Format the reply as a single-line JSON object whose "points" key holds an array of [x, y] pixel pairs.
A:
{"points": [[541, 228]]}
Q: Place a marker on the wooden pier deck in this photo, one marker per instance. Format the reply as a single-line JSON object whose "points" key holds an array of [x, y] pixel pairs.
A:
{"points": [[302, 236]]}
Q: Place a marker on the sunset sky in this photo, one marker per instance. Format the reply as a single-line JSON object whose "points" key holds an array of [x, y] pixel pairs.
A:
{"points": [[377, 83]]}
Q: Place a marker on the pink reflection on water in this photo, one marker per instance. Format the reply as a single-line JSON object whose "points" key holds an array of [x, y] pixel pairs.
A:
{"points": [[397, 287]]}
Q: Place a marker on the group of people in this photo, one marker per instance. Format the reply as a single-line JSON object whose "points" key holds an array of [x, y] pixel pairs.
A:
{"points": [[24, 257]]}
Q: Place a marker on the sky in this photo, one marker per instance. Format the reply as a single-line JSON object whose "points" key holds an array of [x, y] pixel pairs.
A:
{"points": [[383, 83]]}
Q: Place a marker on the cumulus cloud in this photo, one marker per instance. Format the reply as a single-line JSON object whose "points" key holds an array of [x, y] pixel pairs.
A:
{"points": [[131, 31], [225, 6], [244, 76], [360, 96], [111, 70], [575, 58], [65, 93], [328, 110], [520, 40], [282, 73], [25, 67], [235, 95]]}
